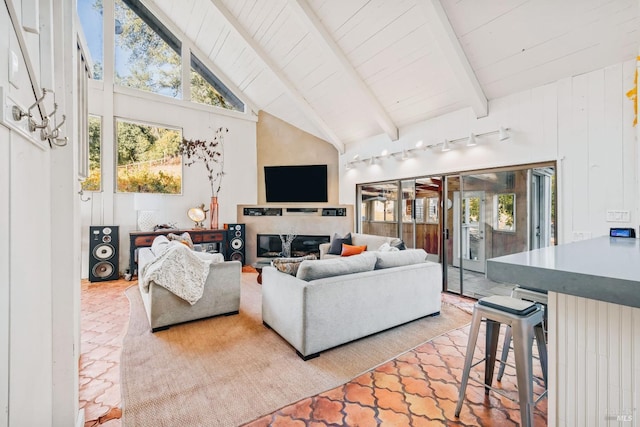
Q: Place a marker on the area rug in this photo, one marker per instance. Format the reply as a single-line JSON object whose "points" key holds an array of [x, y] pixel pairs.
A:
{"points": [[227, 371]]}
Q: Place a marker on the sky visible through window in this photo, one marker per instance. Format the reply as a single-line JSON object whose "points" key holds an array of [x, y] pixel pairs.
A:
{"points": [[90, 13]]}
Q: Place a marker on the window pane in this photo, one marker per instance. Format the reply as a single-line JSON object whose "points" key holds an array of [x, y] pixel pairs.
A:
{"points": [[94, 180], [90, 13], [206, 88], [147, 54], [506, 212], [148, 159]]}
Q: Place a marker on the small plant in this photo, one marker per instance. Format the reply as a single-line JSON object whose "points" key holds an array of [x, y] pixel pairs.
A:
{"points": [[211, 153]]}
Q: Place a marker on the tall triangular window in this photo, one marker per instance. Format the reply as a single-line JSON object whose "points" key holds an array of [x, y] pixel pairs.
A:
{"points": [[147, 55], [206, 88]]}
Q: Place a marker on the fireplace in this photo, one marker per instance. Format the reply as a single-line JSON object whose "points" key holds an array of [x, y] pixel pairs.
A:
{"points": [[270, 245]]}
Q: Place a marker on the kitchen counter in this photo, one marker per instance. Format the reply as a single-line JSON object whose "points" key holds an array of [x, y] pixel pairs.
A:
{"points": [[593, 326], [604, 269]]}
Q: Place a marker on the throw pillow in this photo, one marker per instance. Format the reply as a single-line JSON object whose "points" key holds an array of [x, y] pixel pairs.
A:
{"points": [[184, 238], [348, 250], [336, 244], [159, 245], [387, 248], [398, 243], [291, 265]]}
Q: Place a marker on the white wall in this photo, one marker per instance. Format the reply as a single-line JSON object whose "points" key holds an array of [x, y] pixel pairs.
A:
{"points": [[197, 122], [585, 123], [39, 308]]}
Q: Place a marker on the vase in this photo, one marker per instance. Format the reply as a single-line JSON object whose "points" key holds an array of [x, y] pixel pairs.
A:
{"points": [[213, 213]]}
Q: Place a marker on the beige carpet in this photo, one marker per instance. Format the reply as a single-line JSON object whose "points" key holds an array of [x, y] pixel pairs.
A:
{"points": [[226, 371]]}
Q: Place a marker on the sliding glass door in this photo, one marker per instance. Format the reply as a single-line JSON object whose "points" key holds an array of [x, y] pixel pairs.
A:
{"points": [[462, 220]]}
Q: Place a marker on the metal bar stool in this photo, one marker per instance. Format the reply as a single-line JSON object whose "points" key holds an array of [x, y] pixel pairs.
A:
{"points": [[528, 295], [525, 319]]}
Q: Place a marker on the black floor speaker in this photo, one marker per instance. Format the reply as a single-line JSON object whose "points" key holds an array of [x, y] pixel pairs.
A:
{"points": [[103, 253], [236, 242]]}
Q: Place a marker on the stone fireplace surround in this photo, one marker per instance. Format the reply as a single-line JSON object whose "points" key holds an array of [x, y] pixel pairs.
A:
{"points": [[302, 222]]}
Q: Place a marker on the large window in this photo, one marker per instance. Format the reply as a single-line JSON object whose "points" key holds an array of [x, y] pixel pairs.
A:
{"points": [[90, 14], [147, 55], [148, 159], [94, 180]]}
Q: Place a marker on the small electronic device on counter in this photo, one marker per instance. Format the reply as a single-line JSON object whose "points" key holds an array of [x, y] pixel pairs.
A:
{"points": [[622, 232]]}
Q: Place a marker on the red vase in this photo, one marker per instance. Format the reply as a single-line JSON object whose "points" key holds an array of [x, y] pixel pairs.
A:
{"points": [[213, 213]]}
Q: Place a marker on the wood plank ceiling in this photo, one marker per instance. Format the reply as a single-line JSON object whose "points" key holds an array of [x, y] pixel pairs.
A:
{"points": [[345, 70]]}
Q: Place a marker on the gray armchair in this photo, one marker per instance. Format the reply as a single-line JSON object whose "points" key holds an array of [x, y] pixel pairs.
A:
{"points": [[221, 295]]}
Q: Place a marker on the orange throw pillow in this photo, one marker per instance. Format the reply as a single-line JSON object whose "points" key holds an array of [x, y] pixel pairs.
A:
{"points": [[348, 250]]}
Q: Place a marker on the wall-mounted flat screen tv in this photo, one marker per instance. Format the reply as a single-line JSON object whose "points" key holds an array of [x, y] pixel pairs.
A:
{"points": [[296, 184]]}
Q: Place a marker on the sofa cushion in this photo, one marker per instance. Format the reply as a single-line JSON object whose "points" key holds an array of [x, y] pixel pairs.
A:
{"points": [[349, 250], [206, 256], [336, 243], [318, 269], [290, 265], [399, 258]]}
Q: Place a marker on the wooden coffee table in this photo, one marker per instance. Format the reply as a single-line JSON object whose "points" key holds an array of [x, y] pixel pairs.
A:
{"points": [[259, 265]]}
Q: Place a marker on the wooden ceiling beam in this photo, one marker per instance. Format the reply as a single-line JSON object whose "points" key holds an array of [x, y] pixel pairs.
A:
{"points": [[443, 32], [322, 36], [280, 76]]}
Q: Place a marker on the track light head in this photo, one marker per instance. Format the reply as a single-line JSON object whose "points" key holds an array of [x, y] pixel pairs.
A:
{"points": [[503, 134], [472, 140], [446, 146]]}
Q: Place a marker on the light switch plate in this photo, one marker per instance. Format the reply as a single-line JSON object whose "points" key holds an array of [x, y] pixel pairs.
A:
{"points": [[618, 216]]}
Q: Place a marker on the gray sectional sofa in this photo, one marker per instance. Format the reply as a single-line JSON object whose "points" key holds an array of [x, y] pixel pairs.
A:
{"points": [[330, 302]]}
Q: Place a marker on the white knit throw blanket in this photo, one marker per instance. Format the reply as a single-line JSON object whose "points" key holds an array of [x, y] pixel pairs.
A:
{"points": [[178, 270]]}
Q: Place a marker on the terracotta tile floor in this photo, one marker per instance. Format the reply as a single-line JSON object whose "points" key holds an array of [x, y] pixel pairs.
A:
{"points": [[419, 388]]}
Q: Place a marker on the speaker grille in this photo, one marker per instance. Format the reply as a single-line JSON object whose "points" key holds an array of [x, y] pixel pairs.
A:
{"points": [[103, 252], [103, 269]]}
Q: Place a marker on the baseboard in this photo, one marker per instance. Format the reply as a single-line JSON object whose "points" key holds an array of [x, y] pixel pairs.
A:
{"points": [[80, 419]]}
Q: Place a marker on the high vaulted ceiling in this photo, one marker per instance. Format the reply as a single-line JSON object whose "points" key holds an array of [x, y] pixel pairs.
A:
{"points": [[345, 70]]}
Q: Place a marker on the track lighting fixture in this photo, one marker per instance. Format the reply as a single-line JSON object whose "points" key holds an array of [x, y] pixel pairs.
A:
{"points": [[404, 154]]}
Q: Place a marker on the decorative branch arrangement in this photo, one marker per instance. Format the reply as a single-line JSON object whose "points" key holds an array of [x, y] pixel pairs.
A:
{"points": [[211, 153], [287, 239]]}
